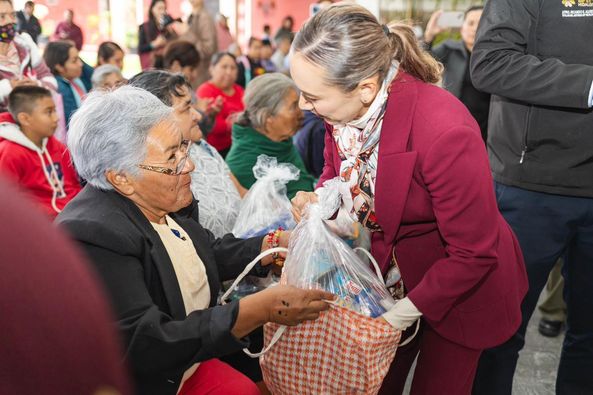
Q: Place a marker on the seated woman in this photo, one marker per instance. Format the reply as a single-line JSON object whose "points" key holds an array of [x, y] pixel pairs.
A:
{"points": [[135, 219], [271, 117], [20, 59], [107, 76], [213, 184], [222, 86], [182, 57]]}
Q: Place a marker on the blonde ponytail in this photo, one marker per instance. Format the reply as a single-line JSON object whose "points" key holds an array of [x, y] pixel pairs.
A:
{"points": [[412, 58], [348, 42]]}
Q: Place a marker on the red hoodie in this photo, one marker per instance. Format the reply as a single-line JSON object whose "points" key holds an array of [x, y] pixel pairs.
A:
{"points": [[46, 173]]}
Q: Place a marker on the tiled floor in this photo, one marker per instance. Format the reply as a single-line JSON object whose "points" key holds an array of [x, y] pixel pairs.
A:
{"points": [[538, 362]]}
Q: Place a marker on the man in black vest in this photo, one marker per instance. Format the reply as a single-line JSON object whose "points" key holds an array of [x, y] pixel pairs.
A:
{"points": [[530, 56]]}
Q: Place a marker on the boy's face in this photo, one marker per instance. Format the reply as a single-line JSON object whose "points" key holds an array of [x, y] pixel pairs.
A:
{"points": [[43, 120], [254, 50], [266, 52]]}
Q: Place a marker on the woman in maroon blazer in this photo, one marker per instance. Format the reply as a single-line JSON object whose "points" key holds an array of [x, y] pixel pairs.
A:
{"points": [[416, 175]]}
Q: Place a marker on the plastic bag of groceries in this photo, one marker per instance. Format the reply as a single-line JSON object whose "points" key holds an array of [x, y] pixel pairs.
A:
{"points": [[247, 286], [266, 207], [346, 350], [318, 259], [342, 224]]}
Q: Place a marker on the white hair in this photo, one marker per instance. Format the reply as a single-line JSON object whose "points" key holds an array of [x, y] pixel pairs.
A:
{"points": [[264, 97], [109, 130], [102, 72]]}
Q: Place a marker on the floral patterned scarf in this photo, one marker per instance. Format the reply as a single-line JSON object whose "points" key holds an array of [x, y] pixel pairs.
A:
{"points": [[358, 147]]}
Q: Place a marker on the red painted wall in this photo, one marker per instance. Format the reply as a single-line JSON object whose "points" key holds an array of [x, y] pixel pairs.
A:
{"points": [[272, 12], [95, 25], [86, 15]]}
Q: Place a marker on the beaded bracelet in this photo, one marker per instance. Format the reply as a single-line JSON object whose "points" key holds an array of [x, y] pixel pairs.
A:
{"points": [[273, 240]]}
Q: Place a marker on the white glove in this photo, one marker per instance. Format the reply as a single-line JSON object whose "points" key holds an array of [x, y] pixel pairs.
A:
{"points": [[402, 315]]}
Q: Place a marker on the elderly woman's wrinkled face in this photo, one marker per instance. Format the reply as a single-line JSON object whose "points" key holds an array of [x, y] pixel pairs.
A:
{"points": [[111, 81], [287, 121], [155, 191], [186, 115]]}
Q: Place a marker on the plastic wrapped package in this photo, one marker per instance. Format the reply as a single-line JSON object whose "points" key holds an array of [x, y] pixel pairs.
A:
{"points": [[341, 223], [266, 207], [318, 259], [250, 285], [346, 350]]}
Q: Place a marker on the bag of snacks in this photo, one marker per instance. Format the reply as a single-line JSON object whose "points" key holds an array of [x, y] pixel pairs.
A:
{"points": [[347, 350], [266, 207]]}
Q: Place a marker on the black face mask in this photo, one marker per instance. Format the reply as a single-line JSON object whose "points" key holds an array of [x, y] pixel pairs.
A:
{"points": [[7, 32]]}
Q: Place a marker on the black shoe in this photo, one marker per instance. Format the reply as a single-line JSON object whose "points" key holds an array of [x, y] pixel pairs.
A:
{"points": [[549, 328]]}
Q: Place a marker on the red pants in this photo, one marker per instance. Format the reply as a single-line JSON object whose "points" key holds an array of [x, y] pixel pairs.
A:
{"points": [[214, 377], [443, 367]]}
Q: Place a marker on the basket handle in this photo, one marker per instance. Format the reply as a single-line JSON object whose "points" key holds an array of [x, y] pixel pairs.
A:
{"points": [[373, 261], [275, 338], [240, 277], [380, 275], [248, 268]]}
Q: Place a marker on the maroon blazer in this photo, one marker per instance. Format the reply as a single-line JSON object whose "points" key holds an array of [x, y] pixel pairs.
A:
{"points": [[434, 199]]}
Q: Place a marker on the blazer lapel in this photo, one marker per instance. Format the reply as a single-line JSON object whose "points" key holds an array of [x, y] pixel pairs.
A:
{"points": [[161, 259], [395, 164]]}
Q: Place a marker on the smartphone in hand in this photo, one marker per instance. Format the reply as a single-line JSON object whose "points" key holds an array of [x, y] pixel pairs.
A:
{"points": [[451, 19]]}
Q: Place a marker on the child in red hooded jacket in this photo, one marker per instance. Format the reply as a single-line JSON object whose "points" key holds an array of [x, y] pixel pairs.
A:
{"points": [[31, 155]]}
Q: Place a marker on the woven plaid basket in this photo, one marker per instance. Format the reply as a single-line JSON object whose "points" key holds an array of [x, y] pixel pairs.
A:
{"points": [[342, 352]]}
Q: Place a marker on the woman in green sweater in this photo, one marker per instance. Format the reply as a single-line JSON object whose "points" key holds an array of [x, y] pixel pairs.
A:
{"points": [[271, 117]]}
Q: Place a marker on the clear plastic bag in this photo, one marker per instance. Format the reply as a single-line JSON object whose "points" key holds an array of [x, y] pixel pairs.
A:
{"points": [[250, 285], [266, 207], [318, 259], [342, 224]]}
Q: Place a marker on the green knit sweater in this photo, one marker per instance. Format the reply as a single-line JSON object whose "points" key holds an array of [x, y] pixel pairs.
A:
{"points": [[248, 144]]}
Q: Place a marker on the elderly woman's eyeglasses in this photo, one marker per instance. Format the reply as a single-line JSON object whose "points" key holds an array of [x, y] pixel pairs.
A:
{"points": [[181, 159]]}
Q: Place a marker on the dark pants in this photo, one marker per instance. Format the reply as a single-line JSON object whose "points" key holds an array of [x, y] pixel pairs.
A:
{"points": [[549, 226], [443, 367]]}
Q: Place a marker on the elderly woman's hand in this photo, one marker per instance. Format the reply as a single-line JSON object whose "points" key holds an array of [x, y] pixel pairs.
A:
{"points": [[290, 305], [300, 201], [282, 304]]}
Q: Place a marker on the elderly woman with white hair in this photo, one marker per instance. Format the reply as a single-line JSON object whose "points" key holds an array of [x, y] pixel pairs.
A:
{"points": [[161, 268], [271, 117], [107, 76]]}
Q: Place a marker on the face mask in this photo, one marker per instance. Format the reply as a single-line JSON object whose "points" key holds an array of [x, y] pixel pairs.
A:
{"points": [[7, 32]]}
